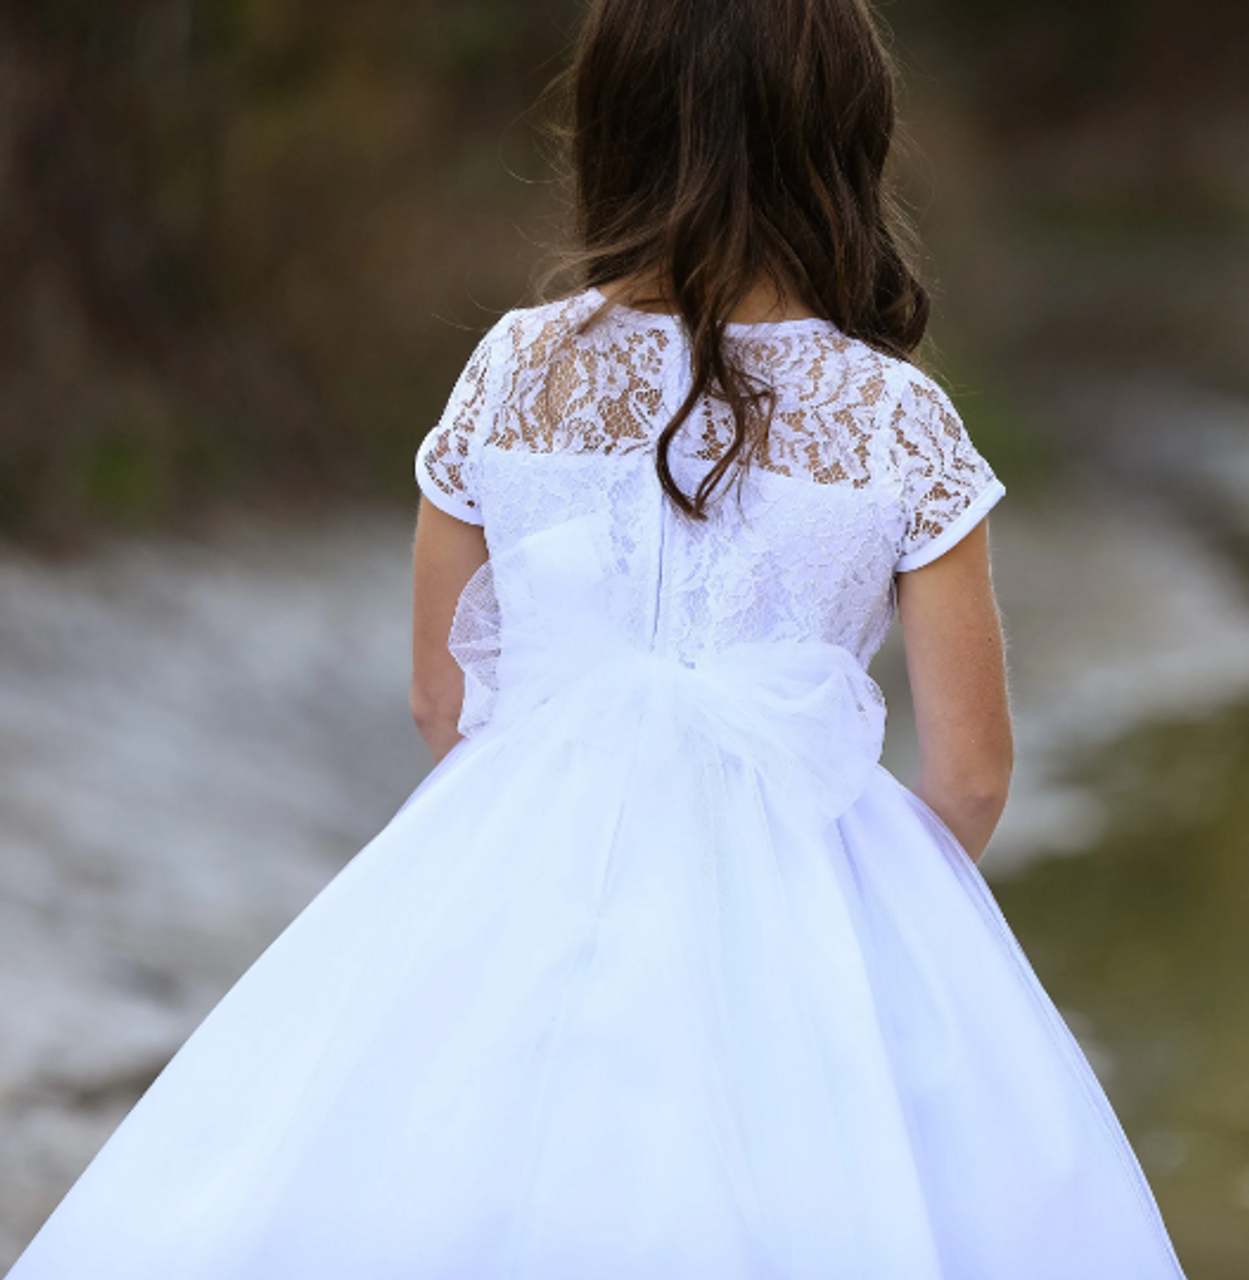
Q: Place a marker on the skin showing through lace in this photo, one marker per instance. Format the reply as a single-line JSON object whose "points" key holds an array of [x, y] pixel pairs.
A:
{"points": [[729, 159]]}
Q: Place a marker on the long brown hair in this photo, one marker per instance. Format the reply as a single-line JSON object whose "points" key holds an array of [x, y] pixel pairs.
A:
{"points": [[717, 144]]}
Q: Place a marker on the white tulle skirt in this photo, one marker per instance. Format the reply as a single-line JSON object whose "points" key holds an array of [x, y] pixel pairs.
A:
{"points": [[584, 1013]]}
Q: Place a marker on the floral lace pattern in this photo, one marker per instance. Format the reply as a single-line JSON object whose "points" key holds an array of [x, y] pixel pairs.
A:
{"points": [[867, 471]]}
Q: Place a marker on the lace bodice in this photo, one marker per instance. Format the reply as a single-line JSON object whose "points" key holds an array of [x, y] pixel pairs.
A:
{"points": [[868, 472]]}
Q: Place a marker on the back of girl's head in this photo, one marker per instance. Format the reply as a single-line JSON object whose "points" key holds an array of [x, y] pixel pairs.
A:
{"points": [[717, 145]]}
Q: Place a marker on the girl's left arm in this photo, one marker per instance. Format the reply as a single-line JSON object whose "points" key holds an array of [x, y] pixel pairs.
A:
{"points": [[447, 552], [954, 654]]}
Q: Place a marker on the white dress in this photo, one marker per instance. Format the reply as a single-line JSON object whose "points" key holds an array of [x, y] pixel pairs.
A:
{"points": [[659, 975]]}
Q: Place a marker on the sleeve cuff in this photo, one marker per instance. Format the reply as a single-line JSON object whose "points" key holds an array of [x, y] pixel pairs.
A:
{"points": [[455, 506], [954, 533]]}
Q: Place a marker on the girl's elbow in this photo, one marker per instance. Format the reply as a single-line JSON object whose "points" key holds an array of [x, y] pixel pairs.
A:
{"points": [[428, 710], [419, 706], [978, 786], [983, 790]]}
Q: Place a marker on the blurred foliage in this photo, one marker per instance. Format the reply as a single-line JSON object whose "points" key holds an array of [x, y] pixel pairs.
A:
{"points": [[1141, 940], [245, 244], [1091, 173], [1034, 64]]}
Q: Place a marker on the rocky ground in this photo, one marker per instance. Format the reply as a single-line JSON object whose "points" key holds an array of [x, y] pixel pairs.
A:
{"points": [[194, 737]]}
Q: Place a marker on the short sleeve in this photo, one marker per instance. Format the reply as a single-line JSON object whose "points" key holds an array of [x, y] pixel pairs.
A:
{"points": [[947, 487], [447, 468]]}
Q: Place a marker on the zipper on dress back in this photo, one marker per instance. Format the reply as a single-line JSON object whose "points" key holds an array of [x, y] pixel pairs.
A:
{"points": [[659, 567], [676, 378]]}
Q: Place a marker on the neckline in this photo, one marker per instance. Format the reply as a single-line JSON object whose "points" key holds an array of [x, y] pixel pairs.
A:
{"points": [[733, 326]]}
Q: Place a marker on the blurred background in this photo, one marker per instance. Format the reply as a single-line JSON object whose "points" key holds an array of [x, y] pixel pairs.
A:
{"points": [[245, 246]]}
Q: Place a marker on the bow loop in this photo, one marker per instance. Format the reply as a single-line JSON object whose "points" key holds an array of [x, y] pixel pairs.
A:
{"points": [[539, 642]]}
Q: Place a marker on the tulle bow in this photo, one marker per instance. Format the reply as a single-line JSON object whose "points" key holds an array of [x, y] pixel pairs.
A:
{"points": [[544, 641]]}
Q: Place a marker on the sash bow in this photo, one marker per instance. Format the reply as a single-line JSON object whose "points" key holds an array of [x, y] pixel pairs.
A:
{"points": [[541, 644]]}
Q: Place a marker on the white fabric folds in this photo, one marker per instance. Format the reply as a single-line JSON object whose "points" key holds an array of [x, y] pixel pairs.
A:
{"points": [[659, 976]]}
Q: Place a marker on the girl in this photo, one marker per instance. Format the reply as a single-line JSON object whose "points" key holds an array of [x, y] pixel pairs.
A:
{"points": [[659, 976]]}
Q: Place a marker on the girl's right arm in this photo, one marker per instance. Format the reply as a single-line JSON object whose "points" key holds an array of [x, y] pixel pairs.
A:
{"points": [[447, 552]]}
